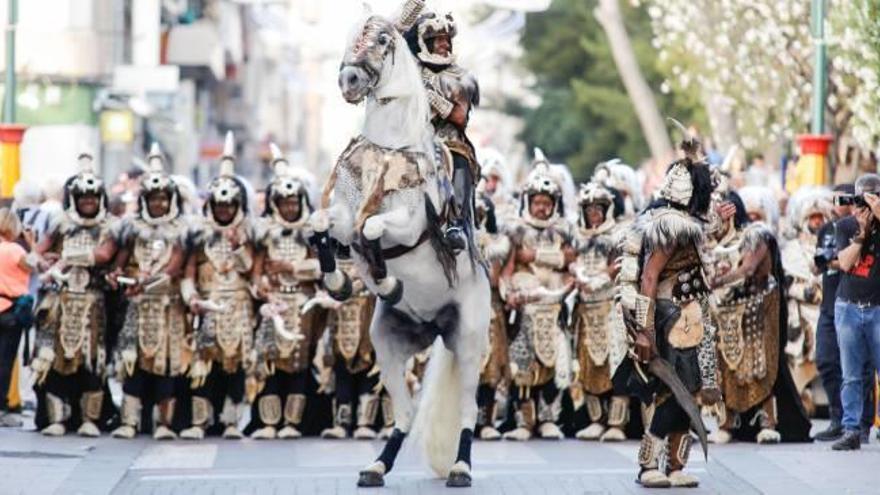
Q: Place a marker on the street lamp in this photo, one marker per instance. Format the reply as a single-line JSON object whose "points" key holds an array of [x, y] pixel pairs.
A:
{"points": [[10, 133], [812, 168]]}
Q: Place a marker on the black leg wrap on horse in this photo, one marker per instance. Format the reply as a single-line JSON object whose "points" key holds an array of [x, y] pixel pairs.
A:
{"points": [[378, 270], [344, 293], [395, 295], [321, 241], [464, 446], [392, 447]]}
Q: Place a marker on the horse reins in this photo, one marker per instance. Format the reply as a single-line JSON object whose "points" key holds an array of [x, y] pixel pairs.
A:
{"points": [[395, 251]]}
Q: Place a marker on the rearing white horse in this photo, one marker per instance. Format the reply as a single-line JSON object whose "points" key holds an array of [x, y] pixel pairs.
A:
{"points": [[382, 200]]}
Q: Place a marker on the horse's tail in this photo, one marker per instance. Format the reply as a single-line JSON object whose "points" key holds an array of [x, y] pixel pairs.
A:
{"points": [[438, 422]]}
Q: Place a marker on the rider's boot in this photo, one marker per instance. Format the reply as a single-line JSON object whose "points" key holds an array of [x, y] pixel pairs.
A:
{"points": [[458, 216]]}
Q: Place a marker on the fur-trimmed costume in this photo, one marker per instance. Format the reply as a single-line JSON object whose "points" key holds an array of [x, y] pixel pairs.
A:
{"points": [[285, 338], [747, 313], [155, 345], [353, 360], [495, 369], [595, 335], [224, 337], [70, 357], [668, 308], [217, 289], [681, 318], [759, 395], [539, 349], [804, 286], [283, 358]]}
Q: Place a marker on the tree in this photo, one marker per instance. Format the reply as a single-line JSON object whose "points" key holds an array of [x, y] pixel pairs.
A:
{"points": [[758, 55], [585, 115], [858, 35], [608, 15]]}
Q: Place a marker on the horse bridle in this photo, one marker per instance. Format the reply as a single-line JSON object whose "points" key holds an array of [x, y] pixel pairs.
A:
{"points": [[373, 74]]}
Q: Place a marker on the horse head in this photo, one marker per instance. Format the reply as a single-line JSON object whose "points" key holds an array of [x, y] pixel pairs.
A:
{"points": [[367, 58]]}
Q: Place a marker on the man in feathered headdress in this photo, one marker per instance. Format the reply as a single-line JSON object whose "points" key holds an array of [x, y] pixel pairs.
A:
{"points": [[807, 211], [216, 290], [285, 274], [534, 282], [664, 292], [594, 334], [70, 360], [154, 346]]}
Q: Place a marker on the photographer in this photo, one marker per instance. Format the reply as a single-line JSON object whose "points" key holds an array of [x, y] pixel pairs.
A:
{"points": [[857, 309], [827, 350]]}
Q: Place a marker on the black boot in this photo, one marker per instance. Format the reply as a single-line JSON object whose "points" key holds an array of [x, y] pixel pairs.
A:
{"points": [[460, 215], [833, 432], [849, 441]]}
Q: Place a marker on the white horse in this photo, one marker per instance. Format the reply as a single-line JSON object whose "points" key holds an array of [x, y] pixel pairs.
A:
{"points": [[382, 200]]}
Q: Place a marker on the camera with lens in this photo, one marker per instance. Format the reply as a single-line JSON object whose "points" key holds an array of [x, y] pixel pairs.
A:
{"points": [[824, 256], [856, 200], [826, 252]]}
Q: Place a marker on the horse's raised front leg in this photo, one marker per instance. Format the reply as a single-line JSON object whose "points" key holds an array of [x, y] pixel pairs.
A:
{"points": [[337, 283], [397, 227], [391, 355]]}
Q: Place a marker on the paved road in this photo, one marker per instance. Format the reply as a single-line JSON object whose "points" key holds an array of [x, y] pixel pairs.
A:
{"points": [[32, 464]]}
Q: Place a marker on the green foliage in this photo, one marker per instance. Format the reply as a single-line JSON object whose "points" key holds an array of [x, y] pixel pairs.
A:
{"points": [[586, 115]]}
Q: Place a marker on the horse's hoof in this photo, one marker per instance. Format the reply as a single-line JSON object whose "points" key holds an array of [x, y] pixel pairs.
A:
{"points": [[394, 295], [370, 479], [458, 479]]}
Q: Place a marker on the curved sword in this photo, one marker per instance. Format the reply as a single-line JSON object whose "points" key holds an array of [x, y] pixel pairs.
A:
{"points": [[664, 372]]}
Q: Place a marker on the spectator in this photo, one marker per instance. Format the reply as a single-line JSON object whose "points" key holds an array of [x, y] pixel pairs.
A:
{"points": [[827, 350], [857, 309], [15, 269]]}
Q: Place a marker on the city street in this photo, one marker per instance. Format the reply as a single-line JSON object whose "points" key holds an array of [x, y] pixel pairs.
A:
{"points": [[300, 218], [32, 464]]}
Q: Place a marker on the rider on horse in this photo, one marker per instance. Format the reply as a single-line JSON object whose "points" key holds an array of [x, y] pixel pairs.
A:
{"points": [[452, 93]]}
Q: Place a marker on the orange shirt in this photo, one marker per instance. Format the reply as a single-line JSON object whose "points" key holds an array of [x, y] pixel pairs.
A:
{"points": [[13, 278]]}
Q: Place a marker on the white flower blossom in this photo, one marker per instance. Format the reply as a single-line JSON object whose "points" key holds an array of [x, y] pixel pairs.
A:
{"points": [[758, 54]]}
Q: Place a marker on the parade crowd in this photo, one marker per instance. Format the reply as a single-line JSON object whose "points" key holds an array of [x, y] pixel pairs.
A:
{"points": [[201, 315], [204, 305]]}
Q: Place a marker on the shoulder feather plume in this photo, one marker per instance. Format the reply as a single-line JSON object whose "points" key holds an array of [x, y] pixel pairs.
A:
{"points": [[669, 229]]}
